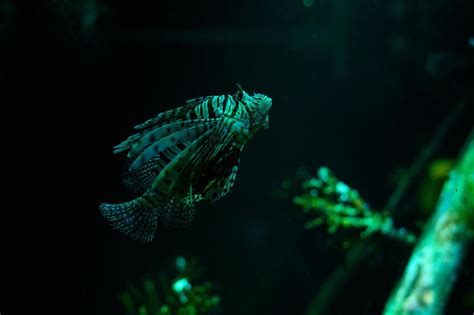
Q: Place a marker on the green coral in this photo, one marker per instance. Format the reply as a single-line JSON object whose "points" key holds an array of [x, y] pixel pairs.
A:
{"points": [[177, 292], [336, 204]]}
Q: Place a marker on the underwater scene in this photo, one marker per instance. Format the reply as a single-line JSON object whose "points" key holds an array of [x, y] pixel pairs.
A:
{"points": [[253, 157]]}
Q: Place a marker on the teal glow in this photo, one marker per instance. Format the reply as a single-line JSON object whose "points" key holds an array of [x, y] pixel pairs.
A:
{"points": [[471, 41], [181, 285], [180, 263], [308, 3]]}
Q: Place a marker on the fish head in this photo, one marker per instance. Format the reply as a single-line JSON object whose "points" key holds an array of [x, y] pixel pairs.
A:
{"points": [[259, 107], [261, 116]]}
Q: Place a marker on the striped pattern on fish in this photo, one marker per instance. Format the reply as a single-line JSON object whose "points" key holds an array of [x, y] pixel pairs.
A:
{"points": [[183, 156]]}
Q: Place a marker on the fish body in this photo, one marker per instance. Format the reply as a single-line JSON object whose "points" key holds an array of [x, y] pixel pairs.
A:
{"points": [[184, 156]]}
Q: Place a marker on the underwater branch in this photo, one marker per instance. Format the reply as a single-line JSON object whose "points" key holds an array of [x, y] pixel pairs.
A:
{"points": [[433, 267]]}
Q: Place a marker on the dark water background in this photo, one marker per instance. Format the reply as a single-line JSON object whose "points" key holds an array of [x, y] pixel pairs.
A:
{"points": [[352, 89]]}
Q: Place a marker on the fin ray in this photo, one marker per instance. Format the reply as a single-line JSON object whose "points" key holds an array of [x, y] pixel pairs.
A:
{"points": [[136, 143], [172, 114], [171, 140], [134, 218]]}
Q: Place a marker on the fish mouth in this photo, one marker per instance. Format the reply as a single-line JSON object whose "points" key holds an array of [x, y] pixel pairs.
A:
{"points": [[266, 122]]}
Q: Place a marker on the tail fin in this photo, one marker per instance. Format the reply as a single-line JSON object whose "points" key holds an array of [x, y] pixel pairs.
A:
{"points": [[134, 218]]}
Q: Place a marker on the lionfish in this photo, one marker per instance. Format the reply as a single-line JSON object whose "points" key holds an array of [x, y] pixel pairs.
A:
{"points": [[183, 156]]}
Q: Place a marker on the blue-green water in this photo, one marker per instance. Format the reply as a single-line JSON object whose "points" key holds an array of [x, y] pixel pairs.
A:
{"points": [[358, 86]]}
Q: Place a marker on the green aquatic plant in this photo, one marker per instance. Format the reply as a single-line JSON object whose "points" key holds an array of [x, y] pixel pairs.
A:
{"points": [[336, 204], [178, 292], [360, 252]]}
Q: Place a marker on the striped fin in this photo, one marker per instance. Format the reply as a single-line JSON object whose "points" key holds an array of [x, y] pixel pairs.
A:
{"points": [[224, 185], [179, 211], [176, 179], [200, 166], [171, 140], [135, 218], [207, 152], [126, 144], [157, 133], [177, 214], [196, 110], [135, 143], [227, 168], [172, 114], [139, 180], [168, 178]]}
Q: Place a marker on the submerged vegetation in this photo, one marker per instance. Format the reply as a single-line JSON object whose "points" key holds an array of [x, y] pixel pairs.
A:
{"points": [[435, 262], [373, 78], [434, 265], [340, 206], [177, 292]]}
